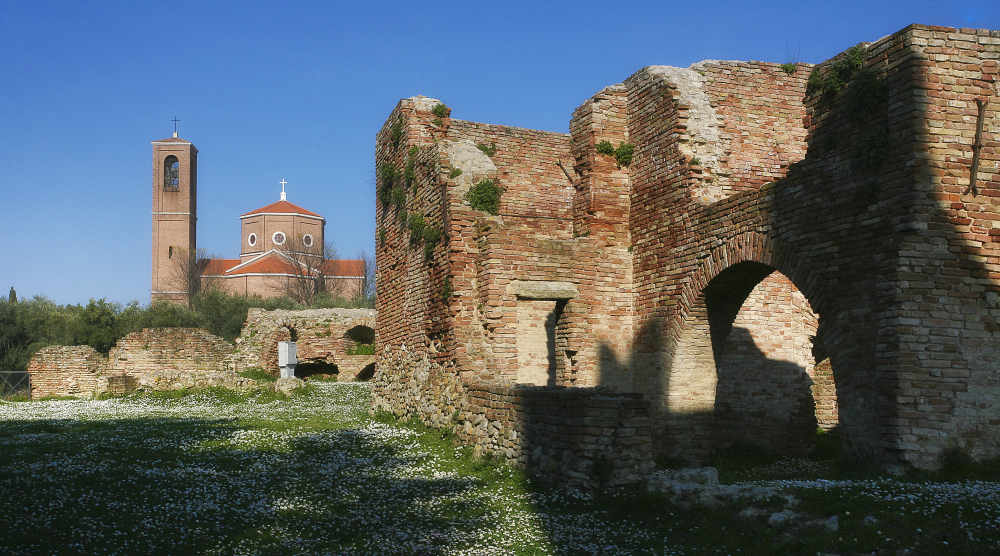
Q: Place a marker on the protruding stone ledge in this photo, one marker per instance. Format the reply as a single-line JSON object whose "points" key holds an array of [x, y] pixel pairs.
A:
{"points": [[542, 290]]}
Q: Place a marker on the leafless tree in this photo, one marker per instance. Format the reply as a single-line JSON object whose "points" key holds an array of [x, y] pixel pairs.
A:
{"points": [[367, 289], [187, 272], [304, 278]]}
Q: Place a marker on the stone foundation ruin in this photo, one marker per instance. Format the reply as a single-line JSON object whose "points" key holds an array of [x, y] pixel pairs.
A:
{"points": [[731, 252], [329, 342]]}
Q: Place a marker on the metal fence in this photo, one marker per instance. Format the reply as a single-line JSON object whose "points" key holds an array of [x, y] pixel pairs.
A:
{"points": [[14, 383]]}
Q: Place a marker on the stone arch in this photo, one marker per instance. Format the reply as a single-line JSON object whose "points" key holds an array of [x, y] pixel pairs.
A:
{"points": [[366, 373], [712, 359]]}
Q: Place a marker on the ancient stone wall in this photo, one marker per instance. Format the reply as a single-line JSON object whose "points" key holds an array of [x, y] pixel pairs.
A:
{"points": [[810, 237], [153, 359], [189, 350], [324, 338], [581, 437], [65, 371]]}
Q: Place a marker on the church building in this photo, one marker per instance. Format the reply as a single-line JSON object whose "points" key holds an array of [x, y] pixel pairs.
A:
{"points": [[282, 244]]}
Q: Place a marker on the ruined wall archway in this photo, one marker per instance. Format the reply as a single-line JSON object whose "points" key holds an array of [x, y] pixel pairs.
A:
{"points": [[738, 355]]}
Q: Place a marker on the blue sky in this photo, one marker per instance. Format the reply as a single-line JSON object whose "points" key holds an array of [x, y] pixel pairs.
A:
{"points": [[297, 90]]}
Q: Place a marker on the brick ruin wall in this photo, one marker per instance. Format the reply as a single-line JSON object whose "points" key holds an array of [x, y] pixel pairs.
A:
{"points": [[153, 359], [323, 337], [65, 371], [764, 230]]}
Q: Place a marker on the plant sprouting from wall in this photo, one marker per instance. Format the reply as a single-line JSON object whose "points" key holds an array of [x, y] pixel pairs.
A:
{"points": [[410, 171], [871, 151], [455, 172], [440, 110], [431, 236], [485, 196], [446, 289], [623, 154], [388, 175], [396, 133], [399, 196], [789, 68], [839, 74], [438, 122], [488, 150], [865, 92], [416, 225]]}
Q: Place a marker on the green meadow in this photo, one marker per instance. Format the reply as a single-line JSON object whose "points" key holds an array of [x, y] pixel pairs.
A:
{"points": [[215, 473]]}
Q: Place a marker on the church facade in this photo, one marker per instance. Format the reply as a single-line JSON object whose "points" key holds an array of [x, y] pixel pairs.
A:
{"points": [[282, 244]]}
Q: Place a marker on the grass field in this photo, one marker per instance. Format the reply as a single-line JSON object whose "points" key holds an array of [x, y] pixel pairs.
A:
{"points": [[216, 473]]}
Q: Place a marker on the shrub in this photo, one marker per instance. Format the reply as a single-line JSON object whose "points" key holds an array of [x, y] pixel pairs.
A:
{"points": [[489, 150], [485, 196], [623, 154], [388, 175], [455, 172], [416, 225], [440, 110], [398, 196], [396, 133], [430, 237], [605, 147], [789, 68], [870, 152]]}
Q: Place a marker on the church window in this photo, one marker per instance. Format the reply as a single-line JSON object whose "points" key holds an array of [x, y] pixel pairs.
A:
{"points": [[252, 240], [307, 240], [278, 238], [171, 171]]}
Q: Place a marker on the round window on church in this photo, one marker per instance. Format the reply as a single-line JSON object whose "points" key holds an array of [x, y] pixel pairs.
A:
{"points": [[307, 240], [252, 240], [278, 238]]}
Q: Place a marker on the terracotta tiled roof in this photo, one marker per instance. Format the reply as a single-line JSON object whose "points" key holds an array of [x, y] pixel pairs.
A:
{"points": [[172, 140], [283, 207], [218, 267], [343, 268], [273, 262]]}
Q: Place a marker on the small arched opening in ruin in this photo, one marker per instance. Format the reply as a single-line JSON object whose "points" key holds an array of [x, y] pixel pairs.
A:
{"points": [[748, 369], [359, 340], [317, 369], [366, 374]]}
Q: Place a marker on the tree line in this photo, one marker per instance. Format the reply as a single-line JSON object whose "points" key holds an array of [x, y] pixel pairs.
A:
{"points": [[28, 325]]}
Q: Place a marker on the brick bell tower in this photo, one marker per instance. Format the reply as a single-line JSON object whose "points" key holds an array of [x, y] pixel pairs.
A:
{"points": [[175, 216]]}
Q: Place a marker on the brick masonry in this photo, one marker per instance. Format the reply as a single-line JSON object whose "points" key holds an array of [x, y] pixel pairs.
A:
{"points": [[153, 359], [820, 249], [323, 339]]}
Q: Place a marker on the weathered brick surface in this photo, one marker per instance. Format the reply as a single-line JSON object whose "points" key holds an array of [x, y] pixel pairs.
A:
{"points": [[582, 437], [322, 336], [153, 359], [882, 317], [65, 371]]}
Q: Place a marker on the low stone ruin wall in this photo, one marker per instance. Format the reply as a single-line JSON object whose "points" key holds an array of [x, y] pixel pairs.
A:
{"points": [[178, 349], [153, 359], [586, 438], [65, 371]]}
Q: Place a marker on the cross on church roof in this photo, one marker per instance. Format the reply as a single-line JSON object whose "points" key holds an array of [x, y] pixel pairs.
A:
{"points": [[282, 182], [175, 120]]}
